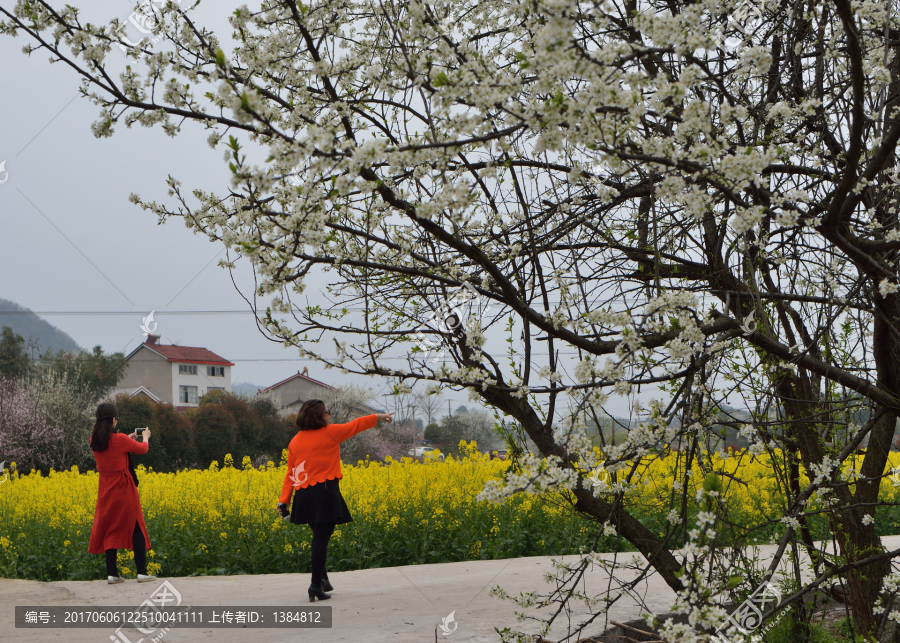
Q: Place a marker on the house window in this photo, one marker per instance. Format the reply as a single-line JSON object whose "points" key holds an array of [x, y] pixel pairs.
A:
{"points": [[215, 371], [187, 394], [215, 388], [187, 369]]}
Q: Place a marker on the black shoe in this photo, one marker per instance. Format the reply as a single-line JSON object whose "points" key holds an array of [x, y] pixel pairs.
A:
{"points": [[326, 586], [315, 592]]}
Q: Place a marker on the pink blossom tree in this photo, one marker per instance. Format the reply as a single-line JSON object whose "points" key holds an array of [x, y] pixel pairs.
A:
{"points": [[351, 401], [26, 437], [392, 440]]}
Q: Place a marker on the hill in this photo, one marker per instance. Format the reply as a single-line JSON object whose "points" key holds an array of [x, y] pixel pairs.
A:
{"points": [[28, 325], [245, 388]]}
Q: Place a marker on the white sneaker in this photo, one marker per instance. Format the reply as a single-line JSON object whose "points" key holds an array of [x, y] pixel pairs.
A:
{"points": [[112, 580], [145, 578]]}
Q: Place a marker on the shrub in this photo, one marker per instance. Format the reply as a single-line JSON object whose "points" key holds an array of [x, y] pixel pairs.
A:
{"points": [[215, 433]]}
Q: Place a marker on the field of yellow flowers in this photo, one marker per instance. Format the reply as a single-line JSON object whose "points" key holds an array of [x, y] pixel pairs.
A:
{"points": [[223, 521]]}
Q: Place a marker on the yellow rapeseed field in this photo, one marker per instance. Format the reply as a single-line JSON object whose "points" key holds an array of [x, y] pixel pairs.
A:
{"points": [[223, 520]]}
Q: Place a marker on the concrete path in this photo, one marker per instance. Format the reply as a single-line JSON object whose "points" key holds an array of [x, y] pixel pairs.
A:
{"points": [[397, 604]]}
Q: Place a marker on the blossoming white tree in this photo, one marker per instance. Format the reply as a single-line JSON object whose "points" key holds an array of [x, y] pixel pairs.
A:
{"points": [[672, 197]]}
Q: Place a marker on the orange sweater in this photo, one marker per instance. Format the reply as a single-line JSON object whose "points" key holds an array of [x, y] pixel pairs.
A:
{"points": [[315, 456]]}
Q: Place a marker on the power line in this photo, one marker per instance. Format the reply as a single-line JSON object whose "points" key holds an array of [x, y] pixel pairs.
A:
{"points": [[72, 243]]}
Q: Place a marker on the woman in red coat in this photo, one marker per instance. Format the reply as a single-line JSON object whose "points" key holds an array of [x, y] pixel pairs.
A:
{"points": [[314, 471], [118, 519]]}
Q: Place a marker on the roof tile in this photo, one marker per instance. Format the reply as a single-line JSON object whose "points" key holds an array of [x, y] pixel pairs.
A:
{"points": [[187, 354]]}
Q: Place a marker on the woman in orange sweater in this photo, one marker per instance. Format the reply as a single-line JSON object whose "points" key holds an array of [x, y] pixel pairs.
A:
{"points": [[314, 472]]}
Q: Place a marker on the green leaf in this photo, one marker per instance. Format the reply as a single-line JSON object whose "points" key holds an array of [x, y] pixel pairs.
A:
{"points": [[712, 482], [440, 80]]}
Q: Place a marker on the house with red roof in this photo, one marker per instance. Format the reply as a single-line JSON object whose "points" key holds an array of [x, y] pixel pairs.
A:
{"points": [[179, 375]]}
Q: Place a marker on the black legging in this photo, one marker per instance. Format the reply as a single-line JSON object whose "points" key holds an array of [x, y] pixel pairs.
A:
{"points": [[321, 534], [140, 554]]}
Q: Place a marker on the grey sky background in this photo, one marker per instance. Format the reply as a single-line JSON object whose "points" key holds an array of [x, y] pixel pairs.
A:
{"points": [[71, 240]]}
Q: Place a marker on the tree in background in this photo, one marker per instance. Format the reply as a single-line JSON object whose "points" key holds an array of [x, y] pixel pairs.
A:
{"points": [[95, 372], [276, 431], [214, 396], [261, 432], [135, 412], [172, 432], [430, 403], [26, 437], [347, 403], [64, 388], [477, 425], [68, 406], [444, 436], [13, 355], [224, 423], [378, 443], [248, 427], [403, 403], [215, 434]]}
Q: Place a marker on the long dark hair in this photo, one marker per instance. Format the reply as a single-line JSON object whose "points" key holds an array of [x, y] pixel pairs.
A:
{"points": [[311, 415], [103, 426]]}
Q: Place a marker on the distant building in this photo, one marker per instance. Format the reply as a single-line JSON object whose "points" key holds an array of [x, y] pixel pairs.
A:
{"points": [[179, 375], [137, 391], [299, 388]]}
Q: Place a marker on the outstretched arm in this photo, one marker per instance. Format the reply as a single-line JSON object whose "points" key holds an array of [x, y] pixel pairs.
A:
{"points": [[341, 432]]}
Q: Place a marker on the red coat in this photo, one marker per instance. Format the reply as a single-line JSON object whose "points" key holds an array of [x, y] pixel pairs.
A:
{"points": [[118, 503]]}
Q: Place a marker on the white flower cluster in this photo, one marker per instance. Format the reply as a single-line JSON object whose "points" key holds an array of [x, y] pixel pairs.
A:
{"points": [[695, 598], [823, 469], [585, 370], [535, 476], [608, 318], [887, 287], [792, 522], [891, 587]]}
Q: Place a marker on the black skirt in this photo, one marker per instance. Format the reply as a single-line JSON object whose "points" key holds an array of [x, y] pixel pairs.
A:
{"points": [[321, 502]]}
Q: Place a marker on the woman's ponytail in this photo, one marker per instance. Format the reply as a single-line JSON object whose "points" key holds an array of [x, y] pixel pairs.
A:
{"points": [[103, 426]]}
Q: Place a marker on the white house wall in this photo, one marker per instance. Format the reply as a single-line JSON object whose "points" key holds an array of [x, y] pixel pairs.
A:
{"points": [[201, 380]]}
